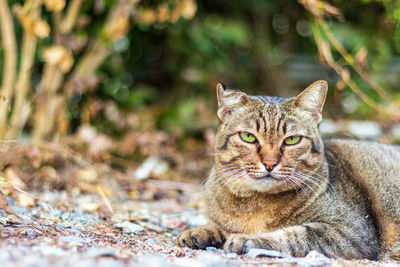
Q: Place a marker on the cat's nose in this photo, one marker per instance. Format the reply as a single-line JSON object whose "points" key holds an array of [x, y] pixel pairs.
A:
{"points": [[270, 165]]}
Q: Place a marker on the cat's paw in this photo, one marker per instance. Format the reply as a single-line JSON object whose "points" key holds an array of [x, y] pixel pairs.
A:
{"points": [[200, 238], [241, 244]]}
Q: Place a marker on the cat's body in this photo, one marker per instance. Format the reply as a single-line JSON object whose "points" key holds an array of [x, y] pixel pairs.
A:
{"points": [[277, 185]]}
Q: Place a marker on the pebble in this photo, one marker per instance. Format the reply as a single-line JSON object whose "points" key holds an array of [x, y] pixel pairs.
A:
{"points": [[258, 252], [129, 227], [31, 234], [316, 255], [153, 260], [365, 129], [100, 252], [231, 255], [197, 220], [151, 242], [76, 239], [213, 249]]}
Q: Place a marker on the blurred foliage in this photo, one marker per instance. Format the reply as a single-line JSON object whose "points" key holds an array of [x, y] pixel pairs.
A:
{"points": [[251, 44], [169, 62]]}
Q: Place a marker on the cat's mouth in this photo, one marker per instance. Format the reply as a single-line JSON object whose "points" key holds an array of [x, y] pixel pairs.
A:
{"points": [[267, 177]]}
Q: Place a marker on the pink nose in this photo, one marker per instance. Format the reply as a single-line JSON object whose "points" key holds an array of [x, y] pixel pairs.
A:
{"points": [[270, 165]]}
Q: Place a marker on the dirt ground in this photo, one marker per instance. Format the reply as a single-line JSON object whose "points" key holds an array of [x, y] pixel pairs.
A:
{"points": [[137, 233], [65, 210]]}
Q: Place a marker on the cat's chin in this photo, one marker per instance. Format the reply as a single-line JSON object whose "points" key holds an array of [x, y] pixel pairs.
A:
{"points": [[264, 184], [270, 184]]}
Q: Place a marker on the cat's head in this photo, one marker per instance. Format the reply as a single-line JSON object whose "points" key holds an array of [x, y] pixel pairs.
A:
{"points": [[269, 144]]}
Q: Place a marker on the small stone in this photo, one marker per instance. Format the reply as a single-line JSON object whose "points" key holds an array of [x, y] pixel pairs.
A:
{"points": [[213, 249], [76, 240], [231, 255], [197, 220], [316, 255], [365, 129], [151, 242], [210, 259], [31, 234], [258, 252], [129, 227], [187, 262], [100, 252], [328, 127], [151, 260]]}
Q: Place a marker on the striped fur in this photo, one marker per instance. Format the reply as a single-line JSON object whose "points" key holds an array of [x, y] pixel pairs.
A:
{"points": [[339, 197]]}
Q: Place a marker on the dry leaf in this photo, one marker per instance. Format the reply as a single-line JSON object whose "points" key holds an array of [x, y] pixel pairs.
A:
{"points": [[361, 58], [320, 8], [4, 101], [27, 22], [66, 62], [54, 5], [325, 51], [13, 178], [59, 55], [25, 200], [54, 54], [189, 9], [175, 13], [41, 28], [162, 12], [340, 85], [345, 74], [146, 16], [88, 175], [4, 205], [118, 28]]}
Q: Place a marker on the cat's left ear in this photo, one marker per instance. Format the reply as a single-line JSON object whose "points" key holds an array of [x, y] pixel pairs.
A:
{"points": [[312, 99], [229, 99]]}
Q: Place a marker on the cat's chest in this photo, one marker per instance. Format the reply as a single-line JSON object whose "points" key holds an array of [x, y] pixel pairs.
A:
{"points": [[257, 222], [250, 223]]}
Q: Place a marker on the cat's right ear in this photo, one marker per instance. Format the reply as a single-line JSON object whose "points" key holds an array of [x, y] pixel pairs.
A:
{"points": [[229, 99]]}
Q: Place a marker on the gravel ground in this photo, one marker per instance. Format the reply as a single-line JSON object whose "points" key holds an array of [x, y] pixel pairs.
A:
{"points": [[80, 232]]}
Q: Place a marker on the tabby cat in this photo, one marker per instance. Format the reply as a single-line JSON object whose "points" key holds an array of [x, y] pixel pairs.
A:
{"points": [[277, 185]]}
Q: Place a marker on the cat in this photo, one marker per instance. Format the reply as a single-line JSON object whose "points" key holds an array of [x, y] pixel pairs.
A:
{"points": [[277, 185]]}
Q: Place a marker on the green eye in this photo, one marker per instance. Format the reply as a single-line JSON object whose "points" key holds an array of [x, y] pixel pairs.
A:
{"points": [[292, 140], [247, 137]]}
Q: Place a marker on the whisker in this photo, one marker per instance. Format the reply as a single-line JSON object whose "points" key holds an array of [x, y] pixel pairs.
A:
{"points": [[326, 163], [323, 178], [311, 180], [299, 182]]}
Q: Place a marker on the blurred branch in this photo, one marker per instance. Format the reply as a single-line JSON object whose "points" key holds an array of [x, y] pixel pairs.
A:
{"points": [[115, 27], [10, 63], [353, 63], [21, 109], [325, 51], [59, 61], [319, 9], [69, 20]]}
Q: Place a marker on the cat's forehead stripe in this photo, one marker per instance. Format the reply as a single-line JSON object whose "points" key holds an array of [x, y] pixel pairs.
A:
{"points": [[270, 99]]}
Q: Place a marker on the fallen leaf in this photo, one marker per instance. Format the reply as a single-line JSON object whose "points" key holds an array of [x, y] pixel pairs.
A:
{"points": [[41, 28], [54, 5], [4, 205]]}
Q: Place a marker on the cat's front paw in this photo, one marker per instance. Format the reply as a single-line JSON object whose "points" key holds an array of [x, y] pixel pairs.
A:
{"points": [[200, 238], [241, 244]]}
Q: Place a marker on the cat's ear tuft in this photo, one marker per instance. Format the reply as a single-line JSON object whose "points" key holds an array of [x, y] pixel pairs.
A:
{"points": [[229, 99], [312, 99]]}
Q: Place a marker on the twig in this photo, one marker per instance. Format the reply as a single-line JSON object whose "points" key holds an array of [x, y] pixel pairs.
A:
{"points": [[21, 109], [10, 62], [69, 19], [353, 63], [324, 50], [106, 201]]}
